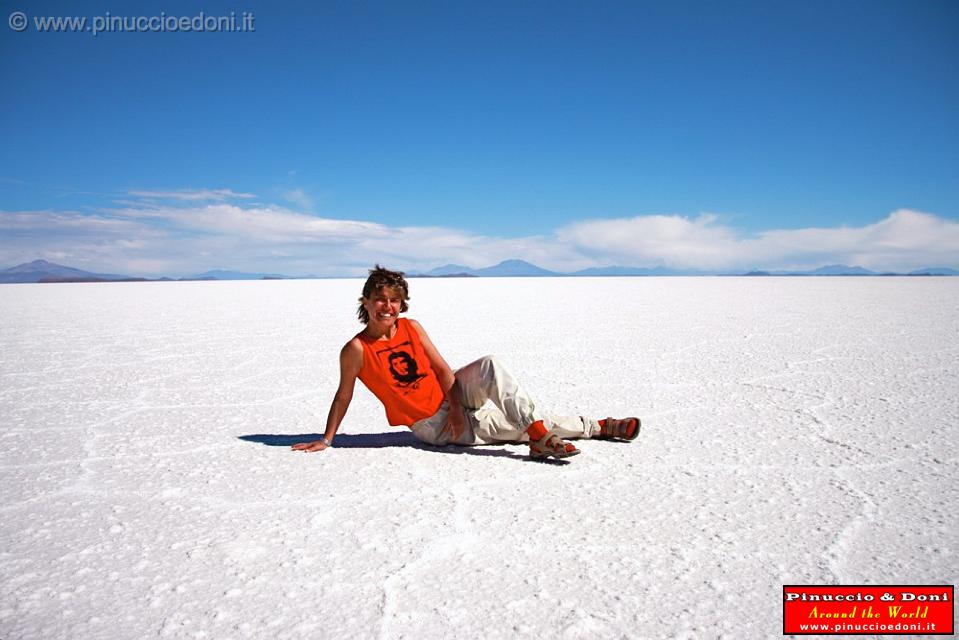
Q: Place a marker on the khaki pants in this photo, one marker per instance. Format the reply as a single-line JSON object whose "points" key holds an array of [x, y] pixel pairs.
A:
{"points": [[504, 418]]}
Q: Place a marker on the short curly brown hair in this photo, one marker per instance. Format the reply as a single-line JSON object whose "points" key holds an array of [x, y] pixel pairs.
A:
{"points": [[381, 277]]}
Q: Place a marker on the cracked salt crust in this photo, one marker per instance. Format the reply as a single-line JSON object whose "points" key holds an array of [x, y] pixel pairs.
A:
{"points": [[795, 431]]}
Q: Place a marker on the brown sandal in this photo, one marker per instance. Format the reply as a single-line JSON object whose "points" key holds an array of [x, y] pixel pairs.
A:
{"points": [[618, 429], [551, 445]]}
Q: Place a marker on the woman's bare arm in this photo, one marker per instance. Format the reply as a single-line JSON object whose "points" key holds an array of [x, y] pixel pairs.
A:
{"points": [[351, 361]]}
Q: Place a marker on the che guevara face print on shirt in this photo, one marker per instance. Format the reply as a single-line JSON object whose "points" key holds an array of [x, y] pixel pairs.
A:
{"points": [[403, 368]]}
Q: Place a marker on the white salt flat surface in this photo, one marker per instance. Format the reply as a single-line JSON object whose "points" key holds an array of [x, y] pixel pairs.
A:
{"points": [[796, 431]]}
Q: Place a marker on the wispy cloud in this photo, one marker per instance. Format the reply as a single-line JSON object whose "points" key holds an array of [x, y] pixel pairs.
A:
{"points": [[299, 198], [41, 224], [269, 224], [157, 234], [192, 195]]}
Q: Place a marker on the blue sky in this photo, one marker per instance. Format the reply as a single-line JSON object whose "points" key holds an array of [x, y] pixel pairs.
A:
{"points": [[572, 134]]}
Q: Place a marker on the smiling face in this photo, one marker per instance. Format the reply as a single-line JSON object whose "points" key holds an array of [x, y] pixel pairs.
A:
{"points": [[383, 306], [383, 285]]}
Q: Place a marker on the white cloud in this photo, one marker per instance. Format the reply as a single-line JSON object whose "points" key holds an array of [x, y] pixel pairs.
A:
{"points": [[667, 240], [152, 238], [903, 240]]}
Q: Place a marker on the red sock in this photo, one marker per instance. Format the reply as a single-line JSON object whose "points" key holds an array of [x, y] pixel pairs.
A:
{"points": [[536, 431], [629, 431]]}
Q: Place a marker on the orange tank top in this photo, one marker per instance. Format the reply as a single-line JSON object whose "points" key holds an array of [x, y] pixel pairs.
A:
{"points": [[398, 372]]}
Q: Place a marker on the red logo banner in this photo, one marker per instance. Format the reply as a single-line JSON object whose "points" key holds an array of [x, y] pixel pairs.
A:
{"points": [[868, 609]]}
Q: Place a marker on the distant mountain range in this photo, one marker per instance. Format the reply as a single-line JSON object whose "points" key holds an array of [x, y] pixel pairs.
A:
{"points": [[511, 268], [43, 271], [521, 268], [843, 270], [220, 274]]}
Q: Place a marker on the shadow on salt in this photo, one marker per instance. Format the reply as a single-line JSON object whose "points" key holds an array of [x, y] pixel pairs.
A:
{"points": [[386, 439]]}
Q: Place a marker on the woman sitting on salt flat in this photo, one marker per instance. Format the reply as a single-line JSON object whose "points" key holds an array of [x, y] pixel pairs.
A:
{"points": [[396, 360]]}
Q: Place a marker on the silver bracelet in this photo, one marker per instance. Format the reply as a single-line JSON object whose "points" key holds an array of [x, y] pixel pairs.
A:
{"points": [[328, 442]]}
